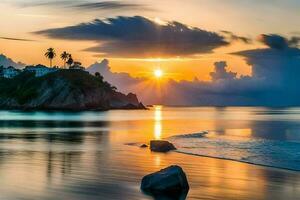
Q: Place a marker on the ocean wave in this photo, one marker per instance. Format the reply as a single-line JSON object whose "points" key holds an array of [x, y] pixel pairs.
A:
{"points": [[191, 135], [264, 152], [242, 160]]}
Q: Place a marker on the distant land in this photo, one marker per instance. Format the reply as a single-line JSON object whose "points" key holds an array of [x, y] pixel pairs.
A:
{"points": [[62, 89]]}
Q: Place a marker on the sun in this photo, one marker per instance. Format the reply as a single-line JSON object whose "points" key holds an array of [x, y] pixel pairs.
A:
{"points": [[158, 73]]}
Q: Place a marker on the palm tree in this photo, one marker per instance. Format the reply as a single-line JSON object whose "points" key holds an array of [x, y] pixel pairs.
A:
{"points": [[64, 56], [50, 54], [99, 76], [70, 60]]}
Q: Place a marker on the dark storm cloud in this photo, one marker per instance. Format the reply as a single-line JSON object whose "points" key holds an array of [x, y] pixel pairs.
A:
{"points": [[233, 37], [139, 36], [88, 6], [273, 41]]}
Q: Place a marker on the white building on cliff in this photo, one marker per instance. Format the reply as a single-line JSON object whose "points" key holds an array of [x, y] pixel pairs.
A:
{"points": [[40, 70], [9, 72]]}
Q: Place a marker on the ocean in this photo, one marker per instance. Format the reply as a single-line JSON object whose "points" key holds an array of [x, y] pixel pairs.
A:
{"points": [[96, 155]]}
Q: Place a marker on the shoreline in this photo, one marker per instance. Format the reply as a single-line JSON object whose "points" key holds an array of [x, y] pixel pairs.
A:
{"points": [[213, 178], [238, 161], [137, 144], [66, 110]]}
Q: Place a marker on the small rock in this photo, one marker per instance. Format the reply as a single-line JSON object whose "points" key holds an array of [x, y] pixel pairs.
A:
{"points": [[161, 146], [144, 146], [167, 182]]}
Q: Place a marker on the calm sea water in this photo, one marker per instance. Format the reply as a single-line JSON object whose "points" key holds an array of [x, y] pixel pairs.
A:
{"points": [[89, 155]]}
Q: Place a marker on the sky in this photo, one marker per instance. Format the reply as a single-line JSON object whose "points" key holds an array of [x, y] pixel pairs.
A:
{"points": [[247, 18], [191, 40]]}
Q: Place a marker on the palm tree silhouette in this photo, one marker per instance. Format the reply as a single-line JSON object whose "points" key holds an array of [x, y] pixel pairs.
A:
{"points": [[64, 56], [50, 54], [70, 60]]}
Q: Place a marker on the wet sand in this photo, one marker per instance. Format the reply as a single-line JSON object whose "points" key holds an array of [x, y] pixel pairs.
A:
{"points": [[113, 170], [211, 178]]}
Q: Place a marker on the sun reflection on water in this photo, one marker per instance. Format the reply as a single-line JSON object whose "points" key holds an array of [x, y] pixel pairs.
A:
{"points": [[158, 123]]}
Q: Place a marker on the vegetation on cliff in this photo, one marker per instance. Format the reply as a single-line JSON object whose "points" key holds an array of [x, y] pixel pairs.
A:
{"points": [[63, 89]]}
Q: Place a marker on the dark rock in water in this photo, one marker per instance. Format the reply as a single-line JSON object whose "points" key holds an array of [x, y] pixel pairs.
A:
{"points": [[144, 146], [161, 146], [168, 183]]}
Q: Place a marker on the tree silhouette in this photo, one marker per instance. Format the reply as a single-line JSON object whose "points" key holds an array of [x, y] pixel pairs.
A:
{"points": [[50, 54], [70, 60], [64, 56], [99, 76]]}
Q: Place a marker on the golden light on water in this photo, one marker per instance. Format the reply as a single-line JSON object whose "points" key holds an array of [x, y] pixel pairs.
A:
{"points": [[157, 123]]}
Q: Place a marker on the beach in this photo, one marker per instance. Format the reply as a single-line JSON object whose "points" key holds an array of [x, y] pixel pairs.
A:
{"points": [[211, 178], [96, 155]]}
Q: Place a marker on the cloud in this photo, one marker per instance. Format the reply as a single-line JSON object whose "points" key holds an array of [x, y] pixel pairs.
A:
{"points": [[16, 39], [274, 81], [139, 36], [233, 37], [87, 6], [221, 91], [116, 78], [277, 64], [294, 41], [123, 81], [275, 41], [221, 73], [6, 62], [110, 5]]}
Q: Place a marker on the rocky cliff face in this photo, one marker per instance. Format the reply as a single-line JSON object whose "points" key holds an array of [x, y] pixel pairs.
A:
{"points": [[63, 90]]}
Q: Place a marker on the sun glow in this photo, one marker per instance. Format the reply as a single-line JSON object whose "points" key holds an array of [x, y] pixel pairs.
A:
{"points": [[159, 21], [158, 73]]}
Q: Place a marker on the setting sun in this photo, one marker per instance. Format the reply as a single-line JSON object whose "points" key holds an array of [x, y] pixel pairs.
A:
{"points": [[158, 73]]}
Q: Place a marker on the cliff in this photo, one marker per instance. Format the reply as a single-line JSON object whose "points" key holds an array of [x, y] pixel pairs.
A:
{"points": [[63, 90]]}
